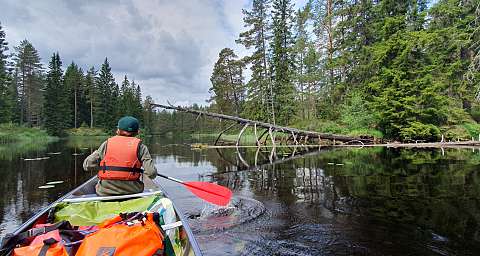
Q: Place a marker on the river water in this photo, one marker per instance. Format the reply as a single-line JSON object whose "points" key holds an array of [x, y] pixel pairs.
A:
{"points": [[328, 201]]}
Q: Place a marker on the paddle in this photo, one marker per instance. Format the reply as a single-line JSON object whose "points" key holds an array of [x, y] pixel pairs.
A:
{"points": [[209, 192]]}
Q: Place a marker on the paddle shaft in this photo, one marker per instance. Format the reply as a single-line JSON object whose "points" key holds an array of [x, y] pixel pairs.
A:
{"points": [[188, 185]]}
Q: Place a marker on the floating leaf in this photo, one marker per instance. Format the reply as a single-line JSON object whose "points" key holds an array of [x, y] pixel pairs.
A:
{"points": [[55, 182], [46, 186]]}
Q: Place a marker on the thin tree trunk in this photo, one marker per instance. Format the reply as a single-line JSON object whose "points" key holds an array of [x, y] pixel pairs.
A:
{"points": [[91, 113], [75, 108], [330, 39]]}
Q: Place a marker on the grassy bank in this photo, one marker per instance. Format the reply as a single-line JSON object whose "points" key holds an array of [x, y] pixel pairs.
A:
{"points": [[12, 133], [85, 131]]}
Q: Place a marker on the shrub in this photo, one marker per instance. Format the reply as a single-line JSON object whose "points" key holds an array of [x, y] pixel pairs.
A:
{"points": [[419, 131]]}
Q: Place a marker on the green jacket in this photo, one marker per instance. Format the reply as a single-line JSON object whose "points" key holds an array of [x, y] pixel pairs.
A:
{"points": [[120, 187]]}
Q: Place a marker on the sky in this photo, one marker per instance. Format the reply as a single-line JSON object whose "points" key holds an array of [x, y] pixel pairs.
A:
{"points": [[168, 47]]}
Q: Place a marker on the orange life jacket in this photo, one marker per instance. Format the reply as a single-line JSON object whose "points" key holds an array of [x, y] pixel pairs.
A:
{"points": [[140, 235], [121, 159]]}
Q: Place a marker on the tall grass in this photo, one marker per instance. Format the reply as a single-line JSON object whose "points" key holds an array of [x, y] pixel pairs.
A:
{"points": [[12, 133]]}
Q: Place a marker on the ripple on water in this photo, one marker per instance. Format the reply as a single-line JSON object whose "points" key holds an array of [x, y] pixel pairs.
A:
{"points": [[214, 218]]}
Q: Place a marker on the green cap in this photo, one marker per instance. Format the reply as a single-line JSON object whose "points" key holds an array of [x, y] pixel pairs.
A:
{"points": [[128, 123]]}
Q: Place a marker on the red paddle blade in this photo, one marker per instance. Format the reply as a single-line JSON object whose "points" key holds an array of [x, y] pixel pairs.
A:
{"points": [[210, 192]]}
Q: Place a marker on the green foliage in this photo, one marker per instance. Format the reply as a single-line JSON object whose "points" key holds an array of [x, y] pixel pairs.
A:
{"points": [[355, 112], [475, 112], [58, 101], [56, 104], [282, 65], [455, 132], [10, 132], [84, 130], [473, 130], [328, 126], [258, 104], [29, 80], [227, 83], [419, 131], [7, 102]]}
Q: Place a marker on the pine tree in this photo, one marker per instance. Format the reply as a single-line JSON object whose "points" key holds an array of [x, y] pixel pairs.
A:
{"points": [[282, 61], [56, 103], [227, 83], [29, 78], [258, 104], [6, 100]]}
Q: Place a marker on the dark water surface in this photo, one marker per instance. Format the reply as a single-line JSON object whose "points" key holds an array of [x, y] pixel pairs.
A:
{"points": [[291, 202]]}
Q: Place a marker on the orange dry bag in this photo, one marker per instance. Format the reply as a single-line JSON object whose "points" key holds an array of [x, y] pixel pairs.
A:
{"points": [[59, 239], [49, 247], [126, 235]]}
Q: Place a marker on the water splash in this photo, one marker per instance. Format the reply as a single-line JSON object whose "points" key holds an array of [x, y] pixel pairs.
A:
{"points": [[215, 218]]}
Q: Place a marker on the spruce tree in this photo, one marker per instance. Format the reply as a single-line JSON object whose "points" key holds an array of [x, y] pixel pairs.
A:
{"points": [[258, 105], [92, 95], [74, 81], [282, 61], [107, 112], [56, 103], [137, 106]]}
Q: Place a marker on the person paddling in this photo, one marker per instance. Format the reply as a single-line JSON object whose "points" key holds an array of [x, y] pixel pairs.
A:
{"points": [[119, 160]]}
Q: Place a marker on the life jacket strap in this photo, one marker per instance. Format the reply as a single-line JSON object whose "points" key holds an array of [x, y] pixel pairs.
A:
{"points": [[107, 168]]}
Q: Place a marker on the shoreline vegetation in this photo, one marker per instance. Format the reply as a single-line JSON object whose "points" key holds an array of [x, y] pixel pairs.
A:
{"points": [[13, 133]]}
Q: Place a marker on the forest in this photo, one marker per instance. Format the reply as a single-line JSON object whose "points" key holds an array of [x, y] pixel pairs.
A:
{"points": [[399, 70], [58, 100], [402, 70]]}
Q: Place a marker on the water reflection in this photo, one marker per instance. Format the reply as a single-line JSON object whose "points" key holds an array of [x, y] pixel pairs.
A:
{"points": [[370, 201], [21, 178], [387, 201]]}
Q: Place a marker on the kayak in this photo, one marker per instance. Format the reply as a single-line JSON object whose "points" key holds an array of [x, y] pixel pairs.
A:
{"points": [[82, 206]]}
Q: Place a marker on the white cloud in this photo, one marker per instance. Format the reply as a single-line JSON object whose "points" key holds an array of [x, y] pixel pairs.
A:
{"points": [[168, 47]]}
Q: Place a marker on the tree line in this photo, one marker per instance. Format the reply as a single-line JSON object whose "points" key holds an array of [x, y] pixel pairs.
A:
{"points": [[409, 69], [58, 100]]}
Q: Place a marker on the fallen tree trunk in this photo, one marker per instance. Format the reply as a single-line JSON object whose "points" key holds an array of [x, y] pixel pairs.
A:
{"points": [[299, 133]]}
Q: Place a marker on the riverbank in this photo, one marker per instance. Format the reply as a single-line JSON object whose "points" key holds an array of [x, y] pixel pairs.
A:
{"points": [[86, 131], [466, 132], [12, 133]]}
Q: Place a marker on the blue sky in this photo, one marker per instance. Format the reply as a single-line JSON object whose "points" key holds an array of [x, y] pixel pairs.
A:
{"points": [[168, 47]]}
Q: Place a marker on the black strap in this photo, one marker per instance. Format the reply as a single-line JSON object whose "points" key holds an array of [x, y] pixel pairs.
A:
{"points": [[10, 241], [43, 230], [118, 168], [47, 243]]}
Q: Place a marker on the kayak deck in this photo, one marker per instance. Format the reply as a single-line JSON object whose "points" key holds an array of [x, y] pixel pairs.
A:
{"points": [[73, 205]]}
